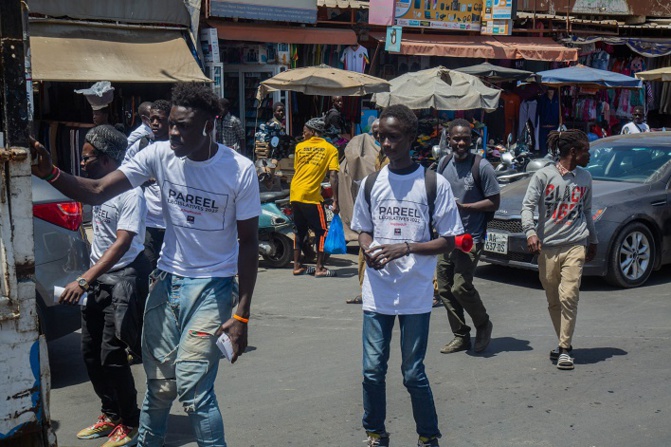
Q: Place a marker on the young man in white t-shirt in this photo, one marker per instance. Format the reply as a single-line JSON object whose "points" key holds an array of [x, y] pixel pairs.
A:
{"points": [[117, 289], [400, 255], [210, 201], [636, 125], [159, 112]]}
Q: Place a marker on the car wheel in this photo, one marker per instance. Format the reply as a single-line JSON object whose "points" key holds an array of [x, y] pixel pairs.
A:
{"points": [[632, 258]]}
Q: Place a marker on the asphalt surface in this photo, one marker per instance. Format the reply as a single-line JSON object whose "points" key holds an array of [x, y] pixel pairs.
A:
{"points": [[299, 384]]}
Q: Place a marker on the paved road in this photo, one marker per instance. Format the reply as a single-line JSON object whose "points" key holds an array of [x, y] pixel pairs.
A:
{"points": [[300, 384]]}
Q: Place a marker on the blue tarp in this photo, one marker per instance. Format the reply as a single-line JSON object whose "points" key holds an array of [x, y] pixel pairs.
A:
{"points": [[583, 75]]}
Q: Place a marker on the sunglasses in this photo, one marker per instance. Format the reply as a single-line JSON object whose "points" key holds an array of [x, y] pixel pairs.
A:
{"points": [[637, 114]]}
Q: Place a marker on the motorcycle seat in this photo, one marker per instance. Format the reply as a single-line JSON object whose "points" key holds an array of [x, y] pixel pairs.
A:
{"points": [[274, 196]]}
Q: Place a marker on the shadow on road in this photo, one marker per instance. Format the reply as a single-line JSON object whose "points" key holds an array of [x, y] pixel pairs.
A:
{"points": [[503, 344], [179, 431], [66, 363], [588, 356], [508, 275]]}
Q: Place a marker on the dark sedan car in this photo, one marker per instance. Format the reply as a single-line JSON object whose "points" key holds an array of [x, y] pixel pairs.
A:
{"points": [[631, 208]]}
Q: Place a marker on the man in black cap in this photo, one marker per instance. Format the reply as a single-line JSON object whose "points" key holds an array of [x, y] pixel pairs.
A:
{"points": [[117, 286], [314, 157]]}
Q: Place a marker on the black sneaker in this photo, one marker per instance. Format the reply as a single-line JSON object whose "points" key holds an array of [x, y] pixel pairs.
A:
{"points": [[427, 442], [456, 345], [483, 336], [377, 439], [554, 354]]}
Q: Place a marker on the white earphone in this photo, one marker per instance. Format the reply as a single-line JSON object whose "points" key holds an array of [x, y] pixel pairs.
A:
{"points": [[205, 129]]}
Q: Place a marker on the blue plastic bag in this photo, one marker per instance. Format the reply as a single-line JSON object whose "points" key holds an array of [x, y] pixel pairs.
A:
{"points": [[335, 238]]}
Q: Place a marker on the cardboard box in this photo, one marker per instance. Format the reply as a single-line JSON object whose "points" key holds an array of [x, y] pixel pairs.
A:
{"points": [[210, 45]]}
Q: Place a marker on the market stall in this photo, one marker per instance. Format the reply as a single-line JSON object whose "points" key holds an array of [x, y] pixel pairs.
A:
{"points": [[437, 90], [590, 95]]}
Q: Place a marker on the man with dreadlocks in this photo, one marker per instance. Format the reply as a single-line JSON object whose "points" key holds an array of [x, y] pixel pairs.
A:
{"points": [[563, 194]]}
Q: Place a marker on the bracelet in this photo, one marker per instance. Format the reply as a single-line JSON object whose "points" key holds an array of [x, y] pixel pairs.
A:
{"points": [[241, 319], [58, 174], [52, 174], [407, 246]]}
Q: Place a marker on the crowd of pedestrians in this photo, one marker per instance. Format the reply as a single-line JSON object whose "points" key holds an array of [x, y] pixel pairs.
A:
{"points": [[165, 195]]}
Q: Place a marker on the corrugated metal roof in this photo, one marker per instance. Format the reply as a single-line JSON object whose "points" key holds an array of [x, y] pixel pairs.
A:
{"points": [[343, 4], [649, 24]]}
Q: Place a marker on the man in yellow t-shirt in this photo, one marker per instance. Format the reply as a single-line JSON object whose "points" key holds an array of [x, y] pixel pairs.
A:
{"points": [[314, 157]]}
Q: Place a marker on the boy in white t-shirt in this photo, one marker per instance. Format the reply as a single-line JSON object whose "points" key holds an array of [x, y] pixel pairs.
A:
{"points": [[116, 284], [210, 202], [400, 255], [636, 125]]}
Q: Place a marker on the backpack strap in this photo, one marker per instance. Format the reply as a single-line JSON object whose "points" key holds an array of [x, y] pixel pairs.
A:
{"points": [[431, 182], [144, 142], [475, 172], [442, 163], [368, 187]]}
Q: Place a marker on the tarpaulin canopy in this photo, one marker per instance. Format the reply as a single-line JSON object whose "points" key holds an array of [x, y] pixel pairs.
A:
{"points": [[79, 53], [658, 74], [496, 73], [485, 47], [441, 89], [588, 76], [323, 80]]}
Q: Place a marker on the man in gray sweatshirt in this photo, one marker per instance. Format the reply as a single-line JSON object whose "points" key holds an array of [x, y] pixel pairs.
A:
{"points": [[563, 194]]}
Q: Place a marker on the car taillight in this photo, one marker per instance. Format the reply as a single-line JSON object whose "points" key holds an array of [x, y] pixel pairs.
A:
{"points": [[287, 211], [64, 214]]}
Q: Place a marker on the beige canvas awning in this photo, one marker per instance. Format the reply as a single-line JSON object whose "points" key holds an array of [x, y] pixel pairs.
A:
{"points": [[69, 53]]}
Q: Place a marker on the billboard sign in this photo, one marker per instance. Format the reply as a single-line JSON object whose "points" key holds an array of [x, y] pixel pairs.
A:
{"points": [[440, 14]]}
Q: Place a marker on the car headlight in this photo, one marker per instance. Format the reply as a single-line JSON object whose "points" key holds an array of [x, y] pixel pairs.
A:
{"points": [[596, 215]]}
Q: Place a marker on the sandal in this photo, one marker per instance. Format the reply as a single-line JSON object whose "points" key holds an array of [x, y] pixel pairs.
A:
{"points": [[309, 270], [327, 274], [356, 300]]}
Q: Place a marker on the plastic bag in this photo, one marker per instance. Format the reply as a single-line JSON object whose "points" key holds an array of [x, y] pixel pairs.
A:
{"points": [[335, 238]]}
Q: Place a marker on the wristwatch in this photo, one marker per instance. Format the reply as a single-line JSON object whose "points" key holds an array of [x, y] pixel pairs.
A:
{"points": [[84, 284]]}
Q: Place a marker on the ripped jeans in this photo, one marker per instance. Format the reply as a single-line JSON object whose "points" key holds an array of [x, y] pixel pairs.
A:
{"points": [[180, 356]]}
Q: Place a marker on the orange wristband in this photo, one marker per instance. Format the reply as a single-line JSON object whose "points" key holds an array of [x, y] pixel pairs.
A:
{"points": [[241, 319]]}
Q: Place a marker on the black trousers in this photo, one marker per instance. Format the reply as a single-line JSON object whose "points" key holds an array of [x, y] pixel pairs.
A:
{"points": [[105, 355], [309, 216], [153, 241]]}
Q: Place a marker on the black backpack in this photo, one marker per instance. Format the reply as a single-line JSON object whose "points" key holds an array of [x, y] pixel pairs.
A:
{"points": [[430, 181], [475, 171]]}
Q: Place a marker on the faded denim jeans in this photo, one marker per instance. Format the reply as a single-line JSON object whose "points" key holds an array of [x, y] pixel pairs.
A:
{"points": [[377, 330], [180, 356]]}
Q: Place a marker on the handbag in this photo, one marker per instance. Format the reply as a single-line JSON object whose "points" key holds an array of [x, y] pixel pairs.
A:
{"points": [[335, 238]]}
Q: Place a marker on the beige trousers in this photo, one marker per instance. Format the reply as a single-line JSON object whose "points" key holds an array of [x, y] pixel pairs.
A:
{"points": [[560, 272]]}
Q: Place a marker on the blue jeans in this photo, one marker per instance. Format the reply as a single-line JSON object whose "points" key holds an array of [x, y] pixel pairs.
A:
{"points": [[377, 330], [180, 356]]}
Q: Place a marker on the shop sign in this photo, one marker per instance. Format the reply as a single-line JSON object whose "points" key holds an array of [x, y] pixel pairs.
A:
{"points": [[499, 9], [497, 28], [440, 14], [301, 11], [393, 40]]}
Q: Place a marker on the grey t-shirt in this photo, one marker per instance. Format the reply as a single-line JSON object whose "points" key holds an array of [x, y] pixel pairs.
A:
{"points": [[459, 174]]}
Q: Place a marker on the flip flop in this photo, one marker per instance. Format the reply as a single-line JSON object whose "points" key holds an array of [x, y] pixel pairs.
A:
{"points": [[309, 270], [356, 300], [328, 274]]}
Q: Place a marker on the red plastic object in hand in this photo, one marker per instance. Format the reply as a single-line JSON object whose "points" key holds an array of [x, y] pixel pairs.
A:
{"points": [[464, 242]]}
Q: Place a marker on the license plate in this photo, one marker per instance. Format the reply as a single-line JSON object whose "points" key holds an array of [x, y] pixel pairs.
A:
{"points": [[497, 243]]}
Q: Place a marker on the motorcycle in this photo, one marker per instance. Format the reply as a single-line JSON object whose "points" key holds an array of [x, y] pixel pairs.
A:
{"points": [[517, 162], [276, 231]]}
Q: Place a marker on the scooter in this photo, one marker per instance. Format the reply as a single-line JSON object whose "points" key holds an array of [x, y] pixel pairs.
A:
{"points": [[276, 231]]}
